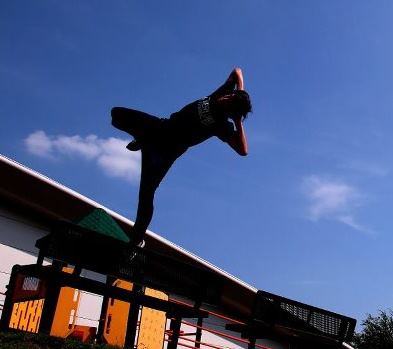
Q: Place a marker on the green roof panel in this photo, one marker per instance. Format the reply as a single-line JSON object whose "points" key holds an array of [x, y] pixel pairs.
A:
{"points": [[101, 222]]}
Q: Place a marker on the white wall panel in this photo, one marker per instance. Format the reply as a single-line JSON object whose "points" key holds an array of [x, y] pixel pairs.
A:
{"points": [[19, 232]]}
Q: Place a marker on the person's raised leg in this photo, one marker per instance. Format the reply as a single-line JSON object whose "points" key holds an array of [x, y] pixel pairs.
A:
{"points": [[136, 123]]}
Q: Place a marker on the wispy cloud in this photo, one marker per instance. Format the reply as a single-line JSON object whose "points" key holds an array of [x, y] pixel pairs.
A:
{"points": [[350, 221], [367, 167], [333, 200], [109, 154]]}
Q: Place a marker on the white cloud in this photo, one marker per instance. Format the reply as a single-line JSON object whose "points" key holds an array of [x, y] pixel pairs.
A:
{"points": [[109, 154], [88, 147], [117, 161], [349, 220], [333, 200], [39, 144]]}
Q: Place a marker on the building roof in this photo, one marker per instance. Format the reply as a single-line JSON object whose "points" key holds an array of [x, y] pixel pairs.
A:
{"points": [[49, 200]]}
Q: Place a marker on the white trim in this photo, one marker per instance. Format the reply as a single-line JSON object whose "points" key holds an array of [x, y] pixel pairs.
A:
{"points": [[164, 241]]}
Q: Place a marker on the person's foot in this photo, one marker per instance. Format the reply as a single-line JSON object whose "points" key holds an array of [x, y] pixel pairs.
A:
{"points": [[134, 146]]}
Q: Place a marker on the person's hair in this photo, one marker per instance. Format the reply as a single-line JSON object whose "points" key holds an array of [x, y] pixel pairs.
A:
{"points": [[242, 103]]}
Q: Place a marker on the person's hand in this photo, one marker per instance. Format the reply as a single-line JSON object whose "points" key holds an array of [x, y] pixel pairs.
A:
{"points": [[237, 70], [237, 75]]}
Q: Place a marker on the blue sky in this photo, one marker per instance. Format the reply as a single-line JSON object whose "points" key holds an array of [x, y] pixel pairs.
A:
{"points": [[307, 213]]}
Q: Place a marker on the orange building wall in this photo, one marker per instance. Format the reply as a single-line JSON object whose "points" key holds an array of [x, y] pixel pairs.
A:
{"points": [[116, 317], [152, 323]]}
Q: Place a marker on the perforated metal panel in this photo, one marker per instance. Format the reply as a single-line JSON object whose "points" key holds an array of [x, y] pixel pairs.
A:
{"points": [[273, 309]]}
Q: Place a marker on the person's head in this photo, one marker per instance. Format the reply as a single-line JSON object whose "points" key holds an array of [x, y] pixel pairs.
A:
{"points": [[236, 104]]}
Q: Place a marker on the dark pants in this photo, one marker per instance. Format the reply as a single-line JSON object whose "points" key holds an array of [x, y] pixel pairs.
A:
{"points": [[158, 155]]}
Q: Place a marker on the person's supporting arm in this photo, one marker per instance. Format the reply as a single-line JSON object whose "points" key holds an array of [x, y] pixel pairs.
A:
{"points": [[238, 141], [234, 80]]}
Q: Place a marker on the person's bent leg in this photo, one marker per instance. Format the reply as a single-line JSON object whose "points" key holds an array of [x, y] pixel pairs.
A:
{"points": [[144, 213], [154, 168]]}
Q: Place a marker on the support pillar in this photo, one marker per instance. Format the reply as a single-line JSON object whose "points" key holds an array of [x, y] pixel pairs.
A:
{"points": [[51, 300], [251, 344], [175, 331], [198, 336], [8, 305], [132, 322], [104, 311]]}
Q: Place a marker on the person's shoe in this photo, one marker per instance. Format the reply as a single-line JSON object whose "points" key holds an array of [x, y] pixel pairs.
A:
{"points": [[134, 146], [137, 242], [141, 244]]}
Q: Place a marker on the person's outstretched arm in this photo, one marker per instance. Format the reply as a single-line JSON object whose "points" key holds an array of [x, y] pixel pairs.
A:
{"points": [[238, 141]]}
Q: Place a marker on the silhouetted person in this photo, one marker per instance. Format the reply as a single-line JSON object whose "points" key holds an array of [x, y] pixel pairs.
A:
{"points": [[162, 141]]}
